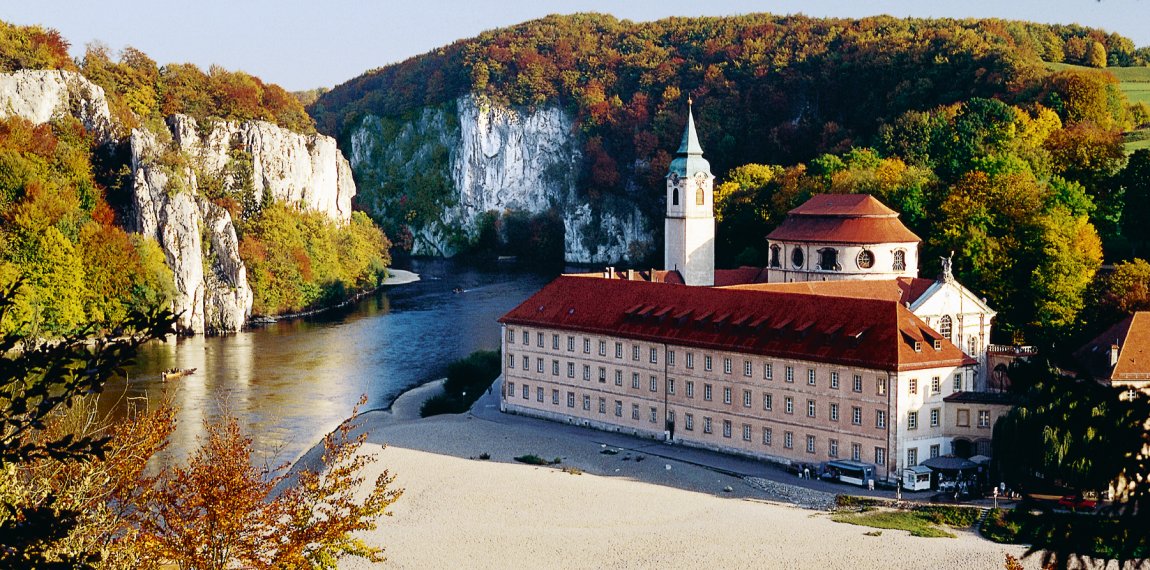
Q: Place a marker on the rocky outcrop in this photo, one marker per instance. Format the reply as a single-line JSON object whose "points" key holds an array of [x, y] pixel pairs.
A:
{"points": [[491, 158], [198, 240], [306, 170], [39, 95]]}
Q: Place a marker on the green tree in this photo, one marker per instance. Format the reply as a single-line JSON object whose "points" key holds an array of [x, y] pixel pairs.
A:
{"points": [[1071, 254], [1135, 183]]}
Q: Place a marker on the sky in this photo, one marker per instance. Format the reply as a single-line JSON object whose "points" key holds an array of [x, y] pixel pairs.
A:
{"points": [[322, 43]]}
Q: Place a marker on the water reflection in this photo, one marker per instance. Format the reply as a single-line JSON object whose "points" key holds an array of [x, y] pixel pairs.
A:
{"points": [[290, 382]]}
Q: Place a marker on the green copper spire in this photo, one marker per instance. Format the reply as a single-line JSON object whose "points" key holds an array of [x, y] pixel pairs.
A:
{"points": [[690, 137], [689, 160]]}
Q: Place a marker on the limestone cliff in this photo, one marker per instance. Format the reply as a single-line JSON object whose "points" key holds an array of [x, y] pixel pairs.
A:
{"points": [[39, 95], [474, 157]]}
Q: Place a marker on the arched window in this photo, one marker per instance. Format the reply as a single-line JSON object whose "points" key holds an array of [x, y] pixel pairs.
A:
{"points": [[944, 327], [973, 346], [829, 259], [900, 260], [776, 251], [675, 197], [699, 197], [865, 259], [797, 257]]}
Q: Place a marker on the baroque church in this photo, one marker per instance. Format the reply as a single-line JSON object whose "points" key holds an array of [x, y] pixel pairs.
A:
{"points": [[835, 351]]}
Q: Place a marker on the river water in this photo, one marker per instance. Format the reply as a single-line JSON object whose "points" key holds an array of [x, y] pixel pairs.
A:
{"points": [[293, 381]]}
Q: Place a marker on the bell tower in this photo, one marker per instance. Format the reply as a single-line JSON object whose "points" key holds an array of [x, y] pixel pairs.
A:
{"points": [[690, 220]]}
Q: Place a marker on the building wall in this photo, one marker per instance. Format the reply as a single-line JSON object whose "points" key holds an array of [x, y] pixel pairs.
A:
{"points": [[970, 323], [973, 422], [922, 427], [596, 379], [848, 262]]}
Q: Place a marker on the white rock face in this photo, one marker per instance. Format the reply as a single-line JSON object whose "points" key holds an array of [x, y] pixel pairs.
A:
{"points": [[306, 170], [499, 159], [221, 300], [39, 95]]}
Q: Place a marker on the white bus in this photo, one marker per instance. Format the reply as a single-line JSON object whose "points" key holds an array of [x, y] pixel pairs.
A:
{"points": [[853, 472]]}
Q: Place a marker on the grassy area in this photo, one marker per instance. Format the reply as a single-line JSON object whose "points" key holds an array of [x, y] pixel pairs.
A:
{"points": [[1133, 81], [467, 380], [916, 523]]}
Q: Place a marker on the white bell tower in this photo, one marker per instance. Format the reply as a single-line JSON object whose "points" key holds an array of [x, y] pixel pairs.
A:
{"points": [[690, 221]]}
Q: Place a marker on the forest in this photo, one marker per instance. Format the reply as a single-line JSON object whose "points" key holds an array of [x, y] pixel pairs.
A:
{"points": [[64, 200], [1002, 141]]}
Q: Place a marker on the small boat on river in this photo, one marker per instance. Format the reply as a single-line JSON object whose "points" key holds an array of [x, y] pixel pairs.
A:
{"points": [[175, 373]]}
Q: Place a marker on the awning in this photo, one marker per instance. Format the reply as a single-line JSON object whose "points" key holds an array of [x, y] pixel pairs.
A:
{"points": [[950, 463], [980, 459]]}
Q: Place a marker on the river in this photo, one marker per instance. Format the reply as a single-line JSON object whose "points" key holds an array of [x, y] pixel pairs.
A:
{"points": [[293, 381]]}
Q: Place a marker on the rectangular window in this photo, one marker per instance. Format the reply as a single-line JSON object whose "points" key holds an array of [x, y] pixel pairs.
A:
{"points": [[634, 411], [689, 422], [788, 440], [619, 408], [602, 375], [690, 360], [618, 350], [654, 414], [934, 417], [857, 384], [810, 376], [539, 365], [746, 432], [880, 386], [912, 385], [707, 392], [555, 397], [555, 342], [810, 444], [958, 382], [833, 448], [726, 428], [768, 401], [707, 363], [766, 436], [670, 358], [768, 371], [879, 418], [879, 456], [834, 380], [510, 389], [856, 415], [654, 355], [912, 420], [654, 383], [511, 361], [726, 365], [539, 394], [602, 405], [510, 336], [587, 372], [747, 368], [570, 344], [570, 369], [726, 395], [856, 452], [810, 408], [570, 399], [526, 363], [554, 367], [912, 457], [746, 398], [618, 377], [706, 424], [671, 416], [690, 389], [634, 380], [526, 338], [526, 392], [602, 348], [790, 374], [539, 339], [935, 386], [834, 412], [963, 419], [789, 405], [587, 402], [635, 353], [671, 386], [586, 345], [934, 450], [983, 418]]}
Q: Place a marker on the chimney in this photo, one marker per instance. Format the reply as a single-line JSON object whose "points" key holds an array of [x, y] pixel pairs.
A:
{"points": [[610, 272], [1113, 355], [630, 275]]}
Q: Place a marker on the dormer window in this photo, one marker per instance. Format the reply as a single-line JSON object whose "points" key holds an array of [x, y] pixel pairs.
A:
{"points": [[938, 344], [917, 346], [829, 259], [797, 257]]}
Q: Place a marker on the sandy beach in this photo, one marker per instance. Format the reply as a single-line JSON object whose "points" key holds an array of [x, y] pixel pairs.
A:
{"points": [[621, 512]]}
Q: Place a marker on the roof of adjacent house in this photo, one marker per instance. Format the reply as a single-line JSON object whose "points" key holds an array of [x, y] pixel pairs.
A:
{"points": [[902, 289], [871, 333], [1132, 336], [845, 219]]}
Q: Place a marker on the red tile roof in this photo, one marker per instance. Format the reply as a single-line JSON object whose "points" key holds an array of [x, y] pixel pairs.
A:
{"points": [[1132, 335], [740, 276], [903, 289], [869, 333], [843, 218]]}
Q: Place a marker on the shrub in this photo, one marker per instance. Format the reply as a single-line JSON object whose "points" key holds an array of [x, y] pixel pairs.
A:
{"points": [[958, 517], [532, 459]]}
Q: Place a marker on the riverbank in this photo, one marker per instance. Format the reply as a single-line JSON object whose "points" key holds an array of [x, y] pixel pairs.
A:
{"points": [[394, 277], [608, 503]]}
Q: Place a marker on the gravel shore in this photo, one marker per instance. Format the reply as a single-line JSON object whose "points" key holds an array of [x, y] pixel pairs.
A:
{"points": [[613, 507]]}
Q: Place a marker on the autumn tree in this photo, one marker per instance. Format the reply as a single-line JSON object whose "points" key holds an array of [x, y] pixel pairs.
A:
{"points": [[1135, 182]]}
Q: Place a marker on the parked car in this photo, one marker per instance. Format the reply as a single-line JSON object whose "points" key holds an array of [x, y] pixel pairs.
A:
{"points": [[1076, 502]]}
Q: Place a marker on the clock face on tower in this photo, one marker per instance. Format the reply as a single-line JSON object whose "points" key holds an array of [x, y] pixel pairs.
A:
{"points": [[701, 179]]}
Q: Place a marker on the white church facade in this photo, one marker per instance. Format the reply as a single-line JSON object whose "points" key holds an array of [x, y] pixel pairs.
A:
{"points": [[837, 352]]}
